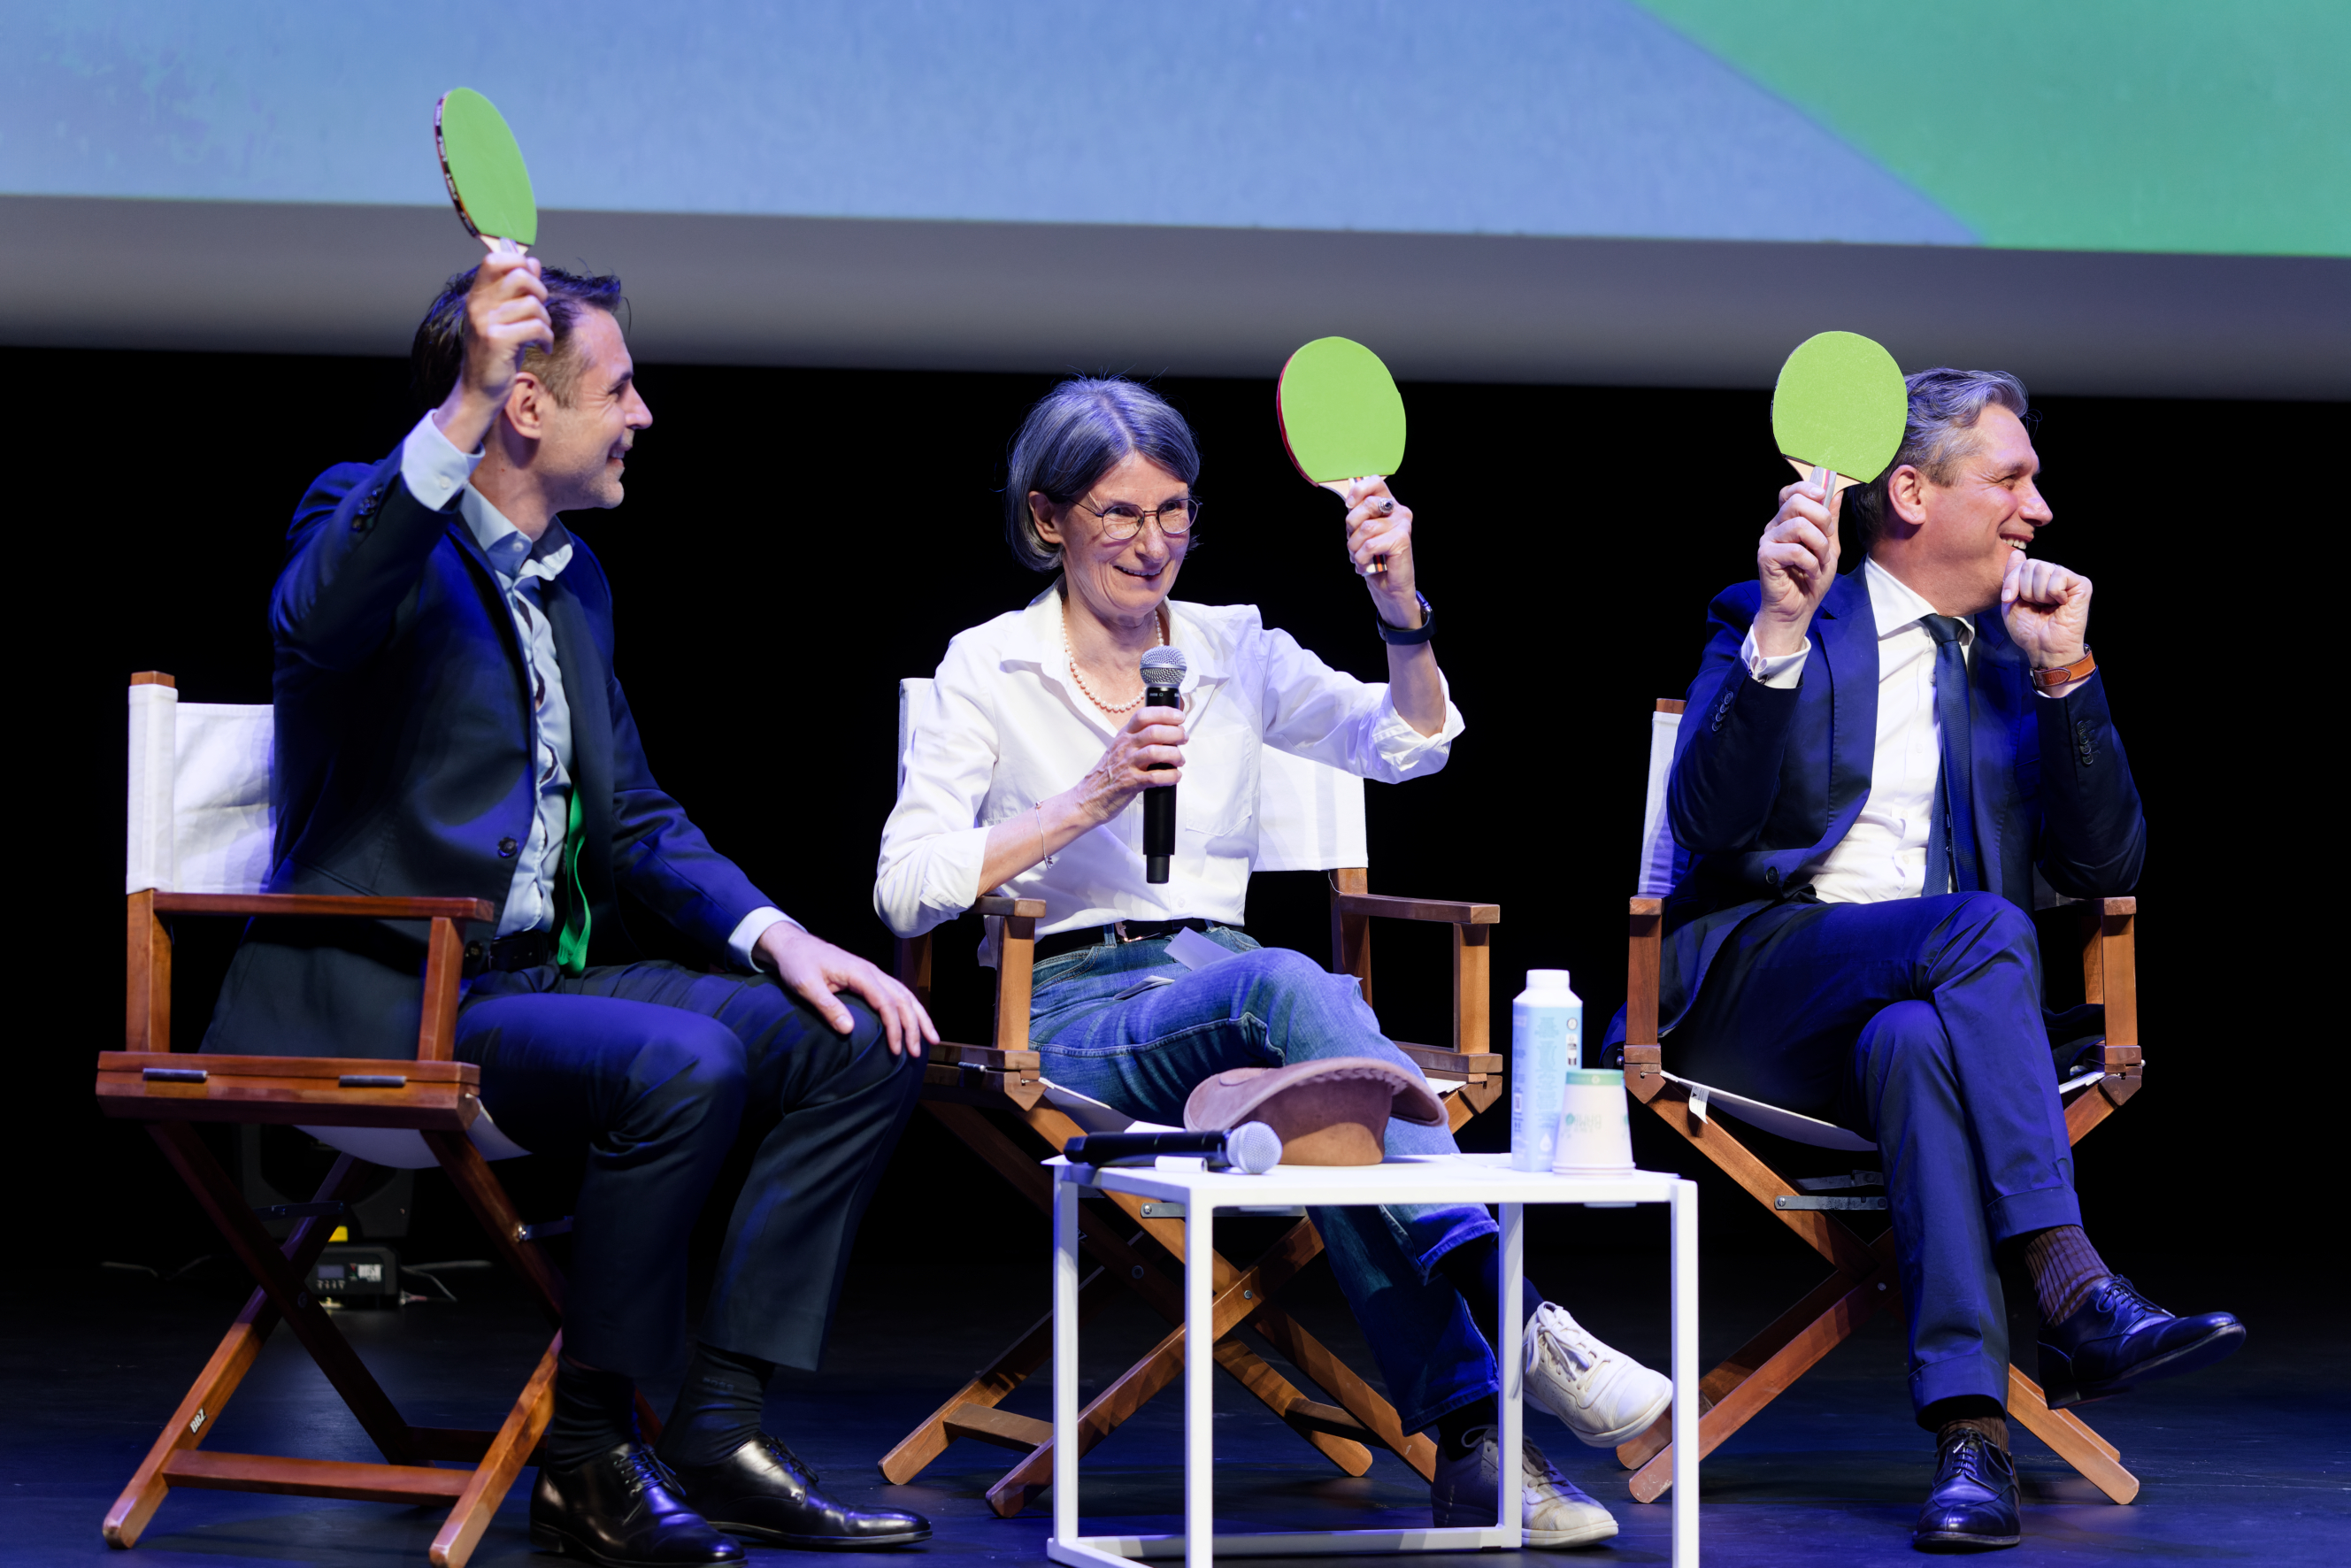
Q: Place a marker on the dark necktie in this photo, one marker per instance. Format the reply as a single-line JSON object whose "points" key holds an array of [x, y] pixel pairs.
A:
{"points": [[1951, 840]]}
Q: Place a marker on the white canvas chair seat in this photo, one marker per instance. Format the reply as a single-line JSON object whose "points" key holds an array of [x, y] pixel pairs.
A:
{"points": [[200, 820]]}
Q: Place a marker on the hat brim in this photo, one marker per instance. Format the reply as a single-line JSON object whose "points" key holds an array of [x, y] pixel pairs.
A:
{"points": [[1225, 1101]]}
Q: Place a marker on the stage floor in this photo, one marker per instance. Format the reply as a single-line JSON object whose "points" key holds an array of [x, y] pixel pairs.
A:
{"points": [[2249, 1462]]}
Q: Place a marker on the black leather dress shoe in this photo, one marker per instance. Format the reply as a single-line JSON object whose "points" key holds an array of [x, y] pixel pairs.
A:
{"points": [[621, 1510], [1973, 1505], [2118, 1338], [763, 1492]]}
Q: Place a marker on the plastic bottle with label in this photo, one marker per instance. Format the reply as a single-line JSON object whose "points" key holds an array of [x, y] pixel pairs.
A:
{"points": [[1546, 1045]]}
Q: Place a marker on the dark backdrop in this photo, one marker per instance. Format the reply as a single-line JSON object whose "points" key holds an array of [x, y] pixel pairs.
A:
{"points": [[795, 541]]}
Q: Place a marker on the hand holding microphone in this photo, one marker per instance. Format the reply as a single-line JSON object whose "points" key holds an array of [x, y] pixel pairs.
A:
{"points": [[1163, 676]]}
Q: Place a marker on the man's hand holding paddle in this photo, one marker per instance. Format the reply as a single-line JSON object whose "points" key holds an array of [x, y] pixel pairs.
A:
{"points": [[506, 312], [1796, 563]]}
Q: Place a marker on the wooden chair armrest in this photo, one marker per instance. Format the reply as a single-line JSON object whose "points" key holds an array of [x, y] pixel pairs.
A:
{"points": [[1444, 911], [148, 998], [462, 910], [998, 905]]}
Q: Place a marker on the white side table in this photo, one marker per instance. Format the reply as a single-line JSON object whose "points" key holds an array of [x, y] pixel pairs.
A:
{"points": [[1450, 1178]]}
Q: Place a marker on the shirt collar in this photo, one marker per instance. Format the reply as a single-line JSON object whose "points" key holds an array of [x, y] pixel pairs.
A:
{"points": [[510, 551], [1039, 639], [1897, 606]]}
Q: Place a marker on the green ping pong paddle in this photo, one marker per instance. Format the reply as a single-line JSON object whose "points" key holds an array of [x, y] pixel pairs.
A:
{"points": [[1341, 417], [487, 179], [1840, 405]]}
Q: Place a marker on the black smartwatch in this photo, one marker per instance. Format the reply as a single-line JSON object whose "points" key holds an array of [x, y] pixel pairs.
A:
{"points": [[1401, 637]]}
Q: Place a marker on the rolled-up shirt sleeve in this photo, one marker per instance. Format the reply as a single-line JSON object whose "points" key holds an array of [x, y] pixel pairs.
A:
{"points": [[931, 850], [1314, 711]]}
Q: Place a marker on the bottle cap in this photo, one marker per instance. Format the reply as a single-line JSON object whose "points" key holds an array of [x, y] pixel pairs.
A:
{"points": [[1547, 980]]}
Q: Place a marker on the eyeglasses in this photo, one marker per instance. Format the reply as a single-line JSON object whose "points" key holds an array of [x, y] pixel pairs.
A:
{"points": [[1124, 520]]}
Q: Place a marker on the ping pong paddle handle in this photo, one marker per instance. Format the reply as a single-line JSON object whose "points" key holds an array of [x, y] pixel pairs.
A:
{"points": [[1339, 489], [498, 246]]}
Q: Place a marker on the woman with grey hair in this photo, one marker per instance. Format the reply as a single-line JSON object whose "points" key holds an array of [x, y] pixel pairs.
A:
{"points": [[1025, 777]]}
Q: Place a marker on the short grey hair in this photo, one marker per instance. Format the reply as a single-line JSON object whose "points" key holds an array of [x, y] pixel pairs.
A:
{"points": [[1945, 405], [1077, 432]]}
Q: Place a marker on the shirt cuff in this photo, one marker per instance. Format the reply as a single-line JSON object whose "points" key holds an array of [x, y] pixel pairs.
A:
{"points": [[1781, 671], [433, 469], [742, 946]]}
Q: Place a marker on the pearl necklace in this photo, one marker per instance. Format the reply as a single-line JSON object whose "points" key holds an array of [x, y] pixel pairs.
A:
{"points": [[1078, 675]]}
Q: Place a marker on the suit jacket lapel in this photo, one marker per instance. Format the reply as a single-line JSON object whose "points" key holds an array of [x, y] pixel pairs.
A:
{"points": [[1848, 634]]}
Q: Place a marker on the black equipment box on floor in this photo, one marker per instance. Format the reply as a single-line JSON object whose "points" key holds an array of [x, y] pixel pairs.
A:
{"points": [[357, 1276]]}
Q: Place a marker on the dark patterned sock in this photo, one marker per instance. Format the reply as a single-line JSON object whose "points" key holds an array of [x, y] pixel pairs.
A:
{"points": [[718, 1406], [593, 1411], [1454, 1428], [2065, 1268], [1974, 1412]]}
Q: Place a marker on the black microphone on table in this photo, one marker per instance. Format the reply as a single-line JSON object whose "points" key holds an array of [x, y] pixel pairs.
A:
{"points": [[1163, 674], [1252, 1148]]}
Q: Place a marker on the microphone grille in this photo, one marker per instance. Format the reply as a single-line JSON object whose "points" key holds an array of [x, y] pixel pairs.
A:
{"points": [[1253, 1147], [1163, 666]]}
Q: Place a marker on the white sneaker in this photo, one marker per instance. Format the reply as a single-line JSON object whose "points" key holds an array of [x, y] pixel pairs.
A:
{"points": [[1603, 1394], [1468, 1492]]}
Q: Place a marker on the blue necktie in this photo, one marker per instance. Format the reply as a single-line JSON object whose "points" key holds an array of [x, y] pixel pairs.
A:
{"points": [[1951, 840]]}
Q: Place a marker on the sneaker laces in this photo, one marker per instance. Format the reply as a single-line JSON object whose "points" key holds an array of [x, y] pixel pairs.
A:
{"points": [[1539, 1478], [1580, 1349]]}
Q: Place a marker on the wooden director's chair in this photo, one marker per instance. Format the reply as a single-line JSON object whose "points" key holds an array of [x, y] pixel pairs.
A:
{"points": [[1310, 817], [1864, 1280], [199, 843]]}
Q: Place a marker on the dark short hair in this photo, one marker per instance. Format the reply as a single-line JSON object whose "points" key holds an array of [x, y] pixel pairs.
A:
{"points": [[1077, 432], [438, 353], [1945, 405]]}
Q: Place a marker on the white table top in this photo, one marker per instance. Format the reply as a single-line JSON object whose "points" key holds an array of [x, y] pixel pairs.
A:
{"points": [[1420, 1178]]}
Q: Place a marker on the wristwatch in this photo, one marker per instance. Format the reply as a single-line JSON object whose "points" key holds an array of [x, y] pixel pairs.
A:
{"points": [[1402, 636], [2066, 675]]}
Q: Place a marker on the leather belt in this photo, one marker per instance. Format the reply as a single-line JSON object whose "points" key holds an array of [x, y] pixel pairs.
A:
{"points": [[523, 950], [1115, 933]]}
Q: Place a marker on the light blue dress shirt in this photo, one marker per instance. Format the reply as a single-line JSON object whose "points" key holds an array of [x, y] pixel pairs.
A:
{"points": [[432, 470]]}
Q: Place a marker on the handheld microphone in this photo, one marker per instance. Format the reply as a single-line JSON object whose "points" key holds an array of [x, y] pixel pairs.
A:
{"points": [[1163, 673], [1252, 1148]]}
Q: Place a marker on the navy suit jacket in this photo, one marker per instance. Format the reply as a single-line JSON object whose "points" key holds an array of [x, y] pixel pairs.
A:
{"points": [[1766, 781], [405, 767]]}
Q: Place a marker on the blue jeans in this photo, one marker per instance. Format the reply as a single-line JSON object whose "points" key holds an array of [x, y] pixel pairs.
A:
{"points": [[1269, 1007]]}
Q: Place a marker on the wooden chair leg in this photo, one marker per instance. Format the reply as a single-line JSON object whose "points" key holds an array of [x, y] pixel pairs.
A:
{"points": [[508, 1452], [273, 1272], [234, 1356], [989, 1387], [2099, 1461], [1765, 1384]]}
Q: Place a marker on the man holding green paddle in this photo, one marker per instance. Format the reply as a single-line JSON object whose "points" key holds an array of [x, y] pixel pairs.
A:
{"points": [[1870, 772], [449, 722]]}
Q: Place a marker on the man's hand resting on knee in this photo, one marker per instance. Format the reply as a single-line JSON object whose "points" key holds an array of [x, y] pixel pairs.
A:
{"points": [[814, 969]]}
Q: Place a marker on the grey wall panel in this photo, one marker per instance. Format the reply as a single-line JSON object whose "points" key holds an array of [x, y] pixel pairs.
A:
{"points": [[918, 295]]}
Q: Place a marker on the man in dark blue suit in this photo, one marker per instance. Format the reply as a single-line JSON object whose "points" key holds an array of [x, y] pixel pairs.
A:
{"points": [[1870, 771], [449, 722]]}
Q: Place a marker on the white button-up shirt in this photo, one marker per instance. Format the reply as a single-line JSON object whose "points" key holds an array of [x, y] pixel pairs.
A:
{"points": [[1883, 854], [434, 470], [1007, 727]]}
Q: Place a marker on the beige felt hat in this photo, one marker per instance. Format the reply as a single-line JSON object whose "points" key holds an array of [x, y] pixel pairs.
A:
{"points": [[1329, 1112]]}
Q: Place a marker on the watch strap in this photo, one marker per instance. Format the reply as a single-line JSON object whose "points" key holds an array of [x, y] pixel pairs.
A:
{"points": [[1405, 636], [2066, 675]]}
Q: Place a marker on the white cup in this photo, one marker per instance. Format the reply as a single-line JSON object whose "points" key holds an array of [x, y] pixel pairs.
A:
{"points": [[1596, 1125]]}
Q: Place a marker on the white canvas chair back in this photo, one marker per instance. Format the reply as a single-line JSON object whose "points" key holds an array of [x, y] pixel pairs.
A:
{"points": [[201, 822], [1310, 817], [1656, 879]]}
